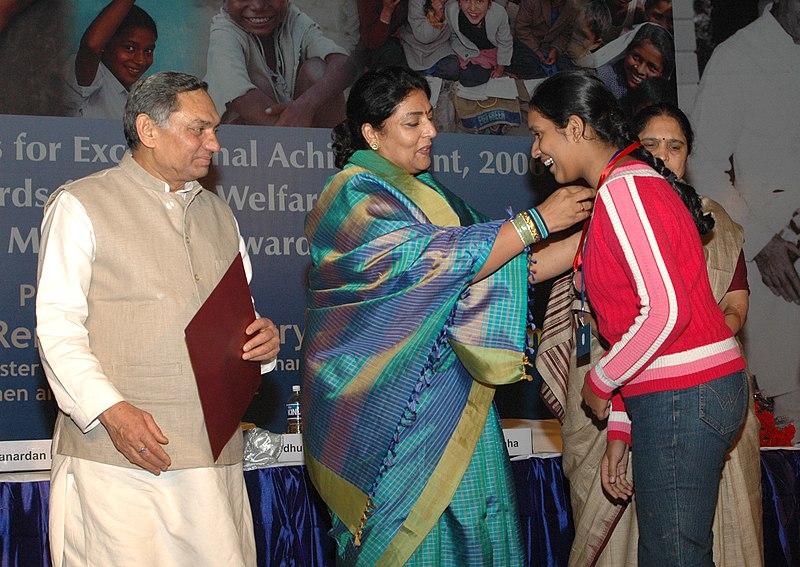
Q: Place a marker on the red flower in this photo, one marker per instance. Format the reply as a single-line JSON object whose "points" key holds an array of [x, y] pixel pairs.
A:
{"points": [[772, 435]]}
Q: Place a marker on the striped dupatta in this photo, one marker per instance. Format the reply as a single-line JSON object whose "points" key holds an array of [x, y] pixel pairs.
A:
{"points": [[401, 354], [556, 346]]}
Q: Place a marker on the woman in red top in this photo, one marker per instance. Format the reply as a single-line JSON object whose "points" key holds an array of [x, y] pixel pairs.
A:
{"points": [[673, 363]]}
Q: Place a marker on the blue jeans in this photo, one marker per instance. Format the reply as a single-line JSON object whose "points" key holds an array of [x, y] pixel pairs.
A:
{"points": [[680, 439]]}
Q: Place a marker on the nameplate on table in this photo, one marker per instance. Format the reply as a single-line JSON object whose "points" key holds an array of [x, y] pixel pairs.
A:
{"points": [[518, 441], [291, 449], [525, 437], [31, 455]]}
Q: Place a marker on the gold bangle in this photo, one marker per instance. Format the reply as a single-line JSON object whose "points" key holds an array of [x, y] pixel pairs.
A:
{"points": [[537, 237]]}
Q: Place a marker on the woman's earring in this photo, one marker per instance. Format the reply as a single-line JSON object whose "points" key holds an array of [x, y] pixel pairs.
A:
{"points": [[374, 146]]}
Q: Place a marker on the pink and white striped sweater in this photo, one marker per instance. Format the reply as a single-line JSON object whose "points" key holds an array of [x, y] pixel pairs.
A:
{"points": [[647, 282]]}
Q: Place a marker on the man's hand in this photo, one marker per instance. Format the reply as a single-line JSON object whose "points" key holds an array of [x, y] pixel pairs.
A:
{"points": [[548, 57], [613, 470], [598, 405], [132, 429], [265, 342], [776, 265], [293, 114]]}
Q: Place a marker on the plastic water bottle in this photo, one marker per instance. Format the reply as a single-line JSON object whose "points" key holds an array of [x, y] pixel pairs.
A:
{"points": [[293, 418]]}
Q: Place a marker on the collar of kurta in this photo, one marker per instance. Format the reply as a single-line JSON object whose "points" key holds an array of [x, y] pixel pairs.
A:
{"points": [[142, 178]]}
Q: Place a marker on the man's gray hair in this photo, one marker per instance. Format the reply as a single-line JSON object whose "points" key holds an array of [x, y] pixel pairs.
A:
{"points": [[157, 97]]}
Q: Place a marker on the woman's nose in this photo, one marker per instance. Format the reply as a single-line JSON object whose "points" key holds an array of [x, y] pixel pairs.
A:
{"points": [[430, 129]]}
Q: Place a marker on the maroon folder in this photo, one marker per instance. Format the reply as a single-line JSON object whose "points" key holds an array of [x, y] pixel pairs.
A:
{"points": [[215, 337]]}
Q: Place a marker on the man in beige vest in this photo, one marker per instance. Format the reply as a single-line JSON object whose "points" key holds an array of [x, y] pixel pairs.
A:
{"points": [[128, 255]]}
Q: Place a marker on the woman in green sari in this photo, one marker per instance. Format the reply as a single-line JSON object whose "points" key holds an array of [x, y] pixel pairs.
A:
{"points": [[416, 311]]}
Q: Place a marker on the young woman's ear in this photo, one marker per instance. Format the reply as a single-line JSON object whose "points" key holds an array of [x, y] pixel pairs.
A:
{"points": [[576, 128]]}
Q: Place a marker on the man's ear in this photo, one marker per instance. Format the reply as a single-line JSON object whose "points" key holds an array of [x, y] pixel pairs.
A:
{"points": [[147, 130]]}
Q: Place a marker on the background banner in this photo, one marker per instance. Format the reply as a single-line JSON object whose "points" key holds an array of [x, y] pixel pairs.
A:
{"points": [[270, 177]]}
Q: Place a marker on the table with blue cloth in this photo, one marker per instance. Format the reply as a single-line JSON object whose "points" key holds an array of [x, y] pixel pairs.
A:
{"points": [[291, 521]]}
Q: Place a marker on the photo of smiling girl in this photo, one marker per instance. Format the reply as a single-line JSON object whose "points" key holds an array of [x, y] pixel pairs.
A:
{"points": [[651, 53], [115, 51], [481, 37]]}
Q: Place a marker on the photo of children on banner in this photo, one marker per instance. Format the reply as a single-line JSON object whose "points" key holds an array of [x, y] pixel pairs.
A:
{"points": [[650, 53], [115, 51], [426, 40], [552, 36], [591, 25], [542, 31], [380, 23], [481, 38], [623, 17], [270, 64]]}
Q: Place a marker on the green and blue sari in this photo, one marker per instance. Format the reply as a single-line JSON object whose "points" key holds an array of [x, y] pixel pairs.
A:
{"points": [[402, 354]]}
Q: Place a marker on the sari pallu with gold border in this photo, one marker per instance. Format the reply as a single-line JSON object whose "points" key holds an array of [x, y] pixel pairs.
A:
{"points": [[401, 354]]}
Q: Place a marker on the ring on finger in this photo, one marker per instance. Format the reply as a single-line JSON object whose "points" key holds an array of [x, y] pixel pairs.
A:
{"points": [[142, 450]]}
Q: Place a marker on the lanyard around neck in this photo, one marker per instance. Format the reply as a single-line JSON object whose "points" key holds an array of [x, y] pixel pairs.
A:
{"points": [[577, 263], [612, 163]]}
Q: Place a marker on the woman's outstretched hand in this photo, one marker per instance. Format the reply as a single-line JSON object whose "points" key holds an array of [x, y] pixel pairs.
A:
{"points": [[614, 469], [567, 206]]}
